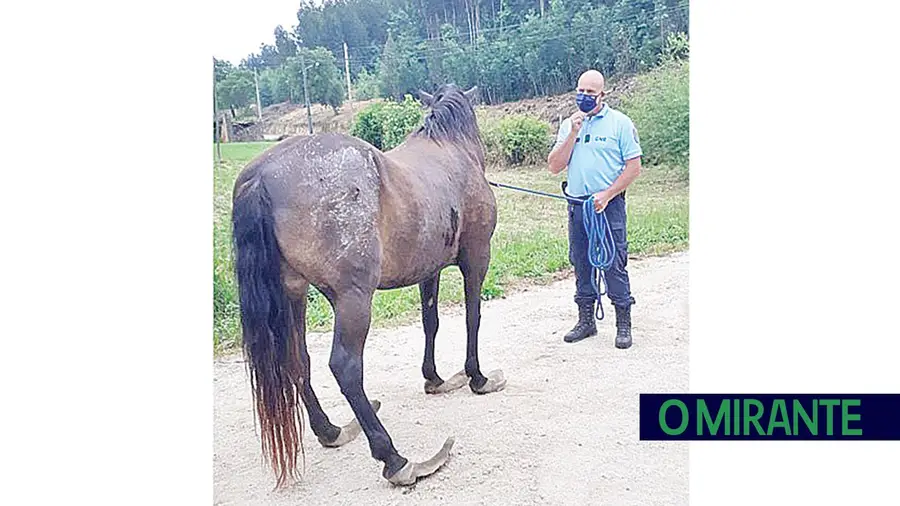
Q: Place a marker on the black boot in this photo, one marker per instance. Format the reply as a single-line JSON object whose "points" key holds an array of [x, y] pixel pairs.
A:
{"points": [[623, 326], [586, 326]]}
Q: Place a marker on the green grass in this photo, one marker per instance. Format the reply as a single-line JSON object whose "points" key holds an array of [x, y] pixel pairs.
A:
{"points": [[659, 105], [529, 246], [226, 314]]}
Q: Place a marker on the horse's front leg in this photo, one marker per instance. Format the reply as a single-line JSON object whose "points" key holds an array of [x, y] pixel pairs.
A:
{"points": [[352, 317], [434, 384], [474, 268]]}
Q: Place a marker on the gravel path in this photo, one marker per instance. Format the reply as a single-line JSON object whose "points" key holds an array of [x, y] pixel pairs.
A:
{"points": [[564, 431]]}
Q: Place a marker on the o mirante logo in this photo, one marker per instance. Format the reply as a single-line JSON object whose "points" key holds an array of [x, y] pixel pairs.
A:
{"points": [[769, 416]]}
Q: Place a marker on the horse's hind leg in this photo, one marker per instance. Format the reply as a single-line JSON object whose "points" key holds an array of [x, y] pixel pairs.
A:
{"points": [[329, 435], [474, 266], [428, 290], [352, 317]]}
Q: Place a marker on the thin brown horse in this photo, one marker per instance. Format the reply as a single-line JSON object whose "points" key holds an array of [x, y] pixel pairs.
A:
{"points": [[334, 212]]}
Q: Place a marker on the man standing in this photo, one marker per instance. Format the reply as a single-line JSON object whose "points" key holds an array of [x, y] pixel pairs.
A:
{"points": [[599, 148]]}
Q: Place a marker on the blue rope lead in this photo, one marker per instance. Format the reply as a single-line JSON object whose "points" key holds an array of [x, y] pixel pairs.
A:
{"points": [[601, 248]]}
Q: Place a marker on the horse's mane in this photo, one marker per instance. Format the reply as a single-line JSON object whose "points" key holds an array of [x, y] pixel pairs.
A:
{"points": [[452, 118]]}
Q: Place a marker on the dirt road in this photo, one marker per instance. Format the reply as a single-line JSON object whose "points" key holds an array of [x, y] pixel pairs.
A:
{"points": [[564, 431]]}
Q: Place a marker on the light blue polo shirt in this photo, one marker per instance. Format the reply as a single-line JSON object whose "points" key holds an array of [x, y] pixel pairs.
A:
{"points": [[605, 141]]}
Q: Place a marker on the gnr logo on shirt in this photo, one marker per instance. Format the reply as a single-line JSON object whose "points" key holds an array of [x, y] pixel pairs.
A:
{"points": [[587, 138]]}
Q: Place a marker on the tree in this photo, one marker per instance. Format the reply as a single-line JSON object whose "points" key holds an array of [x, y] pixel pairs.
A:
{"points": [[324, 78], [400, 69], [511, 49], [366, 86], [267, 58], [284, 44], [274, 86], [236, 90], [252, 62], [222, 69]]}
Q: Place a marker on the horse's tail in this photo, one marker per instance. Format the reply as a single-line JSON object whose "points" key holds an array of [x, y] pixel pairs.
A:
{"points": [[266, 321]]}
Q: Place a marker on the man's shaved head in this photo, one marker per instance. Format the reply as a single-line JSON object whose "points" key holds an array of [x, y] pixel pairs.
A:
{"points": [[591, 82]]}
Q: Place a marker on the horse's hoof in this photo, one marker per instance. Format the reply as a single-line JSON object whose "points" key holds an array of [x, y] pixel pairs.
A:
{"points": [[431, 387], [408, 474], [348, 432], [495, 382], [457, 381]]}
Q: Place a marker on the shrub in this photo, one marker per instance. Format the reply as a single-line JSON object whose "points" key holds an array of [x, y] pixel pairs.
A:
{"points": [[516, 140], [400, 119], [659, 106], [367, 124], [677, 47], [386, 125], [367, 86]]}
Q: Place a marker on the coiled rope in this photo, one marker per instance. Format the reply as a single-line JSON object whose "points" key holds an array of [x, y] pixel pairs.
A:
{"points": [[601, 248]]}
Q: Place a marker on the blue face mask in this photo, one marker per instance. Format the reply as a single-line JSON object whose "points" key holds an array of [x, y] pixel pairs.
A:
{"points": [[586, 103]]}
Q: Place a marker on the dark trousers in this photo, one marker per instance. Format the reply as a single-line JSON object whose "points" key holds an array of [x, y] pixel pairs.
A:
{"points": [[617, 284]]}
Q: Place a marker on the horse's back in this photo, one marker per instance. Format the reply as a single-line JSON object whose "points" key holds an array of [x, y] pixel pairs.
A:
{"points": [[346, 211], [324, 193]]}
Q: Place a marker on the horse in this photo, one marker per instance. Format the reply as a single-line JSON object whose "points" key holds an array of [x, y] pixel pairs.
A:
{"points": [[333, 211]]}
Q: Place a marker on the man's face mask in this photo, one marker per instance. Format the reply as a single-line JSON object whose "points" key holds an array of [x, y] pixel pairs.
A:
{"points": [[586, 103]]}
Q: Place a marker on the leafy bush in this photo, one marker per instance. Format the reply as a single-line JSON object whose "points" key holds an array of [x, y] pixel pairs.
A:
{"points": [[386, 125], [513, 140], [677, 47], [400, 119], [516, 140], [367, 86], [367, 125], [659, 106]]}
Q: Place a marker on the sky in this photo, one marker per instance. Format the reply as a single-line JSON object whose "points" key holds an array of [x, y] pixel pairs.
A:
{"points": [[240, 26]]}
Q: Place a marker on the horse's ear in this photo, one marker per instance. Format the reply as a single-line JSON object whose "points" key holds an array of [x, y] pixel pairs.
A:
{"points": [[426, 98], [470, 94]]}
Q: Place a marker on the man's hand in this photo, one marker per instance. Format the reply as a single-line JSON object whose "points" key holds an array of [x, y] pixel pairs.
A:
{"points": [[558, 158], [577, 119], [601, 199], [630, 173]]}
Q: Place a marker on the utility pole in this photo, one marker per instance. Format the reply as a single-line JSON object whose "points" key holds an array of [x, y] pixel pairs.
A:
{"points": [[347, 73], [661, 14], [258, 101], [306, 93], [216, 115]]}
